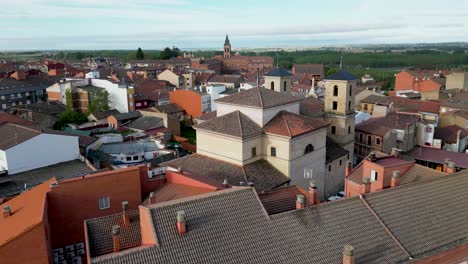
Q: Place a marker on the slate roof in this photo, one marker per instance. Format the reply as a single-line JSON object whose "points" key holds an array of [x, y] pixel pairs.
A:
{"points": [[278, 72], [234, 124], [341, 76], [145, 123], [259, 98], [13, 134], [334, 151], [261, 173], [291, 125], [232, 226]]}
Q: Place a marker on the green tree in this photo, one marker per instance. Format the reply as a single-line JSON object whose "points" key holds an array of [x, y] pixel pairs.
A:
{"points": [[69, 99], [99, 101], [70, 117], [331, 71], [139, 54], [169, 53]]}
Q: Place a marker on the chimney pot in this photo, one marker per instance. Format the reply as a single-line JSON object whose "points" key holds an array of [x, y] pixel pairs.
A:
{"points": [[312, 194], [181, 225], [116, 237], [300, 201], [151, 195], [126, 216], [366, 185], [395, 181], [348, 169], [225, 182], [6, 211], [372, 156], [348, 254]]}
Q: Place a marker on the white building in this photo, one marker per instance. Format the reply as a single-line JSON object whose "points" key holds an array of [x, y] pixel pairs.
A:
{"points": [[215, 92], [23, 148], [120, 94]]}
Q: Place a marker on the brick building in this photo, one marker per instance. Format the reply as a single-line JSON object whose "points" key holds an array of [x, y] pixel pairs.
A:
{"points": [[194, 102]]}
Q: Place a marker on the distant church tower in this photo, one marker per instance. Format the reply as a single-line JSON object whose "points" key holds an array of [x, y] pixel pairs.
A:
{"points": [[339, 109], [227, 48]]}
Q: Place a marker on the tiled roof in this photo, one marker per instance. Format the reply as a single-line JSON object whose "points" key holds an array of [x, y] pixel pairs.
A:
{"points": [[49, 108], [334, 151], [171, 191], [316, 69], [341, 76], [418, 173], [262, 174], [9, 118], [14, 184], [280, 200], [291, 125], [234, 124], [278, 72], [439, 156], [105, 114], [461, 113], [208, 116], [404, 104], [171, 108], [100, 233], [259, 98], [311, 107], [381, 125], [425, 216], [27, 211], [231, 226], [226, 78], [449, 134], [146, 123], [13, 134]]}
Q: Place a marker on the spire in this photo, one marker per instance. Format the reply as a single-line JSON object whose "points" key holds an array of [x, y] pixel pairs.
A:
{"points": [[227, 42]]}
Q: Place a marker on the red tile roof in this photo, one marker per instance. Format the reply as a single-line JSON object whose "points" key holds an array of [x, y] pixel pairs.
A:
{"points": [[291, 125], [27, 211], [439, 156], [9, 118], [449, 134]]}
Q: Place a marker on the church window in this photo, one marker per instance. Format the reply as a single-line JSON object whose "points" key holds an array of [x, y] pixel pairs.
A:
{"points": [[285, 86], [308, 149], [350, 91], [335, 90], [272, 86], [335, 105]]}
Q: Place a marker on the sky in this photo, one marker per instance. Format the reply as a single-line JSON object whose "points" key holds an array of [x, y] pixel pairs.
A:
{"points": [[197, 24]]}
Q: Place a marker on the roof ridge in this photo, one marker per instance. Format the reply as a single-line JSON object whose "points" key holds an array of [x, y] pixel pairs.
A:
{"points": [[240, 123], [387, 230], [287, 124], [260, 96]]}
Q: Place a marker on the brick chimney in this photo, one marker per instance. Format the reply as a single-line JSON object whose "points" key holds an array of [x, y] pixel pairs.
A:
{"points": [[451, 167], [365, 186], [348, 254], [300, 201], [116, 237], [126, 216], [181, 225], [6, 211], [395, 179], [348, 169], [372, 156], [312, 194]]}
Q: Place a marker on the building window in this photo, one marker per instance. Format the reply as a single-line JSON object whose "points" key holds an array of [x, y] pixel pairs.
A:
{"points": [[273, 151], [272, 86], [3, 97], [349, 130], [377, 141], [349, 105], [335, 105], [329, 167], [3, 106], [428, 129], [129, 158], [254, 152], [135, 157], [308, 149], [104, 202], [341, 162], [374, 175], [285, 86], [335, 90], [333, 130], [350, 90], [365, 107], [348, 157], [130, 96], [360, 138], [369, 140]]}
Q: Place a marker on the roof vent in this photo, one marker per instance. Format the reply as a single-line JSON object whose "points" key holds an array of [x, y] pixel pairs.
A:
{"points": [[6, 211], [181, 225]]}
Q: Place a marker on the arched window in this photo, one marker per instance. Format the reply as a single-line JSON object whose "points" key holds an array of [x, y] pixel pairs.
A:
{"points": [[335, 90], [272, 86], [285, 86], [309, 149], [350, 90]]}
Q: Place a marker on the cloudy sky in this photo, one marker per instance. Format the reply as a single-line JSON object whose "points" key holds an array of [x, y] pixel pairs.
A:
{"points": [[154, 24]]}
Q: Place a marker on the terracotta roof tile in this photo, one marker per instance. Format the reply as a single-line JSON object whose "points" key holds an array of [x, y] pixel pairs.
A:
{"points": [[234, 124], [259, 97], [292, 125]]}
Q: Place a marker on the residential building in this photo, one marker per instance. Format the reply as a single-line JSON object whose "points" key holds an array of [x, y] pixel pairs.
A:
{"points": [[396, 223], [427, 83], [315, 71], [173, 78], [385, 133], [43, 114], [151, 92], [452, 138], [457, 80], [458, 118], [22, 90], [227, 80], [438, 159], [453, 100], [121, 95], [194, 102], [380, 171], [24, 148]]}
